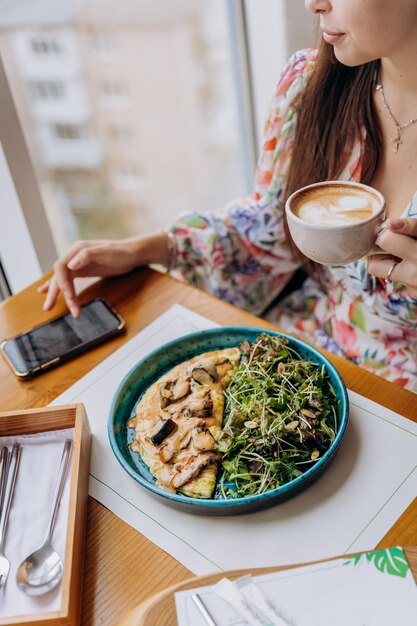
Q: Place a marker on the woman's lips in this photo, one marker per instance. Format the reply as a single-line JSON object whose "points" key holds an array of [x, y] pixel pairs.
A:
{"points": [[332, 38]]}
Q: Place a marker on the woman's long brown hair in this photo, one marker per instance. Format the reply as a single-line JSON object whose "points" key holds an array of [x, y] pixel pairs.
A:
{"points": [[334, 112]]}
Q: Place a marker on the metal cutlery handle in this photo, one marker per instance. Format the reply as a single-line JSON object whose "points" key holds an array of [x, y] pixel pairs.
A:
{"points": [[203, 609], [9, 490], [4, 460], [59, 487]]}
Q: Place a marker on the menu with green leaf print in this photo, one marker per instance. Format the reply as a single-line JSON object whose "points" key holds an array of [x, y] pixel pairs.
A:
{"points": [[371, 589]]}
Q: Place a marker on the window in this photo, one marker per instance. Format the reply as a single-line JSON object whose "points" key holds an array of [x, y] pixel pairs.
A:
{"points": [[70, 131], [113, 94], [43, 46], [47, 90], [168, 135], [129, 177], [121, 134], [102, 43], [113, 89]]}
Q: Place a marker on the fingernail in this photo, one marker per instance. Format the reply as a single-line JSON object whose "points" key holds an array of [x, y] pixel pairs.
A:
{"points": [[74, 312], [73, 263], [397, 223]]}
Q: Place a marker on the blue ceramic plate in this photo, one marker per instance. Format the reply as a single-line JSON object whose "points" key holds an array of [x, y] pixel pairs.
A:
{"points": [[157, 363]]}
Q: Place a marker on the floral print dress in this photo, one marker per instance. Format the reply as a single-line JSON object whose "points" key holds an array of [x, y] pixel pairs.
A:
{"points": [[241, 254]]}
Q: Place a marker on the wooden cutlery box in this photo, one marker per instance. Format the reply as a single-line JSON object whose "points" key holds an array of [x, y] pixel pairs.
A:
{"points": [[30, 422]]}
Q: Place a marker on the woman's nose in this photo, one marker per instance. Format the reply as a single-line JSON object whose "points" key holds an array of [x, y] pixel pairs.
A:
{"points": [[318, 6]]}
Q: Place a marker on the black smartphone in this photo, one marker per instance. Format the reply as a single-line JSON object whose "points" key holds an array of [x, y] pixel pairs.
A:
{"points": [[62, 338]]}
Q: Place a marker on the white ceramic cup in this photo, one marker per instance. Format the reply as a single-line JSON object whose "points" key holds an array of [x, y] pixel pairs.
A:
{"points": [[336, 244]]}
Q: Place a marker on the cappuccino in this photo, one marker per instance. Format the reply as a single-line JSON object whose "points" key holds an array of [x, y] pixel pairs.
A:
{"points": [[335, 205], [335, 222]]}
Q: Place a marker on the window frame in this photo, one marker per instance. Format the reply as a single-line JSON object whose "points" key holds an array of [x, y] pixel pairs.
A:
{"points": [[5, 290], [28, 227]]}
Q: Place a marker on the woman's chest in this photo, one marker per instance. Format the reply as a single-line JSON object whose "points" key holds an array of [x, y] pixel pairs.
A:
{"points": [[396, 176]]}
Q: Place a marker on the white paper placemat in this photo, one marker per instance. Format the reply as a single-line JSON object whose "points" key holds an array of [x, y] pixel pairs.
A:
{"points": [[371, 481], [29, 514]]}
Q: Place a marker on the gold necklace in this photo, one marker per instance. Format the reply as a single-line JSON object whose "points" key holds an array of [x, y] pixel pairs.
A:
{"points": [[396, 140]]}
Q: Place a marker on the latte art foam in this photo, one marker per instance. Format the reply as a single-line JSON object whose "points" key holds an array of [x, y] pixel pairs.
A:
{"points": [[335, 206]]}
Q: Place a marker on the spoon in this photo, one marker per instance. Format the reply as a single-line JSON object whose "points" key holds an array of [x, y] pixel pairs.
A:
{"points": [[42, 570]]}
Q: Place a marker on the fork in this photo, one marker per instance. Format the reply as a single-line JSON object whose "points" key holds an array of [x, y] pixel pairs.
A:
{"points": [[4, 459], [8, 483]]}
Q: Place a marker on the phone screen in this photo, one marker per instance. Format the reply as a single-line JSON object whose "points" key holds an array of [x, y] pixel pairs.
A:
{"points": [[62, 337]]}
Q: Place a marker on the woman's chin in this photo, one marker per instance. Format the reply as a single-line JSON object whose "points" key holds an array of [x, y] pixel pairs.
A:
{"points": [[350, 57]]}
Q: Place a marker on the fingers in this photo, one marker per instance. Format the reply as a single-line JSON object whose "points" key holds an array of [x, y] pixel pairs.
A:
{"points": [[62, 281], [44, 287], [81, 259], [65, 283], [399, 241], [380, 265], [84, 258], [77, 257], [403, 272], [52, 294], [406, 226]]}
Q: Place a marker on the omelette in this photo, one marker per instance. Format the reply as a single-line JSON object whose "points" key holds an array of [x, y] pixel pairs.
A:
{"points": [[179, 419]]}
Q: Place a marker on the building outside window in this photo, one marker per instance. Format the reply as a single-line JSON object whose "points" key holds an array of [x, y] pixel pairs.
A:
{"points": [[42, 45], [113, 93], [47, 90], [136, 111], [71, 131], [164, 102]]}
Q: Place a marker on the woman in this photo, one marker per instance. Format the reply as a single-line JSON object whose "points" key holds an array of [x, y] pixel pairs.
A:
{"points": [[348, 111]]}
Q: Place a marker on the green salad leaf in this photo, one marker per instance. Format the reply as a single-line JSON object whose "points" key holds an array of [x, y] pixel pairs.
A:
{"points": [[280, 417]]}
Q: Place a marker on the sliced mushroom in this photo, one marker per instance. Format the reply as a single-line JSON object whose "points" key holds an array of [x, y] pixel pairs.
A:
{"points": [[203, 439], [203, 407], [166, 453], [179, 440], [196, 405], [171, 391], [205, 374], [192, 467], [182, 387], [164, 478], [165, 392], [162, 429], [185, 440]]}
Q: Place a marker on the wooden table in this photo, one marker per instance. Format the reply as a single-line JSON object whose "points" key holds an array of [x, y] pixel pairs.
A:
{"points": [[123, 568]]}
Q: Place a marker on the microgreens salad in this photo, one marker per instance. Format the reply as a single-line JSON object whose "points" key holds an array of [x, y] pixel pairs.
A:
{"points": [[280, 417]]}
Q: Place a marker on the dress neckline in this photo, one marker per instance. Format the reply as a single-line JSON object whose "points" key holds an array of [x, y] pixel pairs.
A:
{"points": [[352, 171]]}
